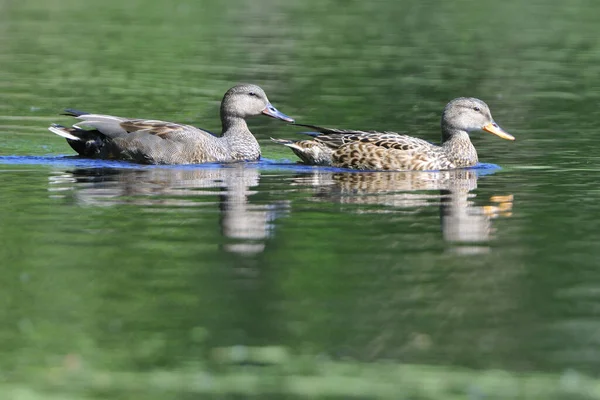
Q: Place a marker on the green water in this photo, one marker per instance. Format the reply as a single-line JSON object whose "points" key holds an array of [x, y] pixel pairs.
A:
{"points": [[269, 281]]}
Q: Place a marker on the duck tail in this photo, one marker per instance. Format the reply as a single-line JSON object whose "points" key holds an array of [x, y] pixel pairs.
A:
{"points": [[73, 133], [87, 143], [67, 133], [292, 144]]}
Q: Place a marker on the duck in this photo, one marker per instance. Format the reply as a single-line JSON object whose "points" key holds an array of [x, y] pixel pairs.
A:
{"points": [[148, 141], [393, 151]]}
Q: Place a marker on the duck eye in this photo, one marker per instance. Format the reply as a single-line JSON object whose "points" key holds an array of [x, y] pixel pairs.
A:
{"points": [[252, 94], [476, 108]]}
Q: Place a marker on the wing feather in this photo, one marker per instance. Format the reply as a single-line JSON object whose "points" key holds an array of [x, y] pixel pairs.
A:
{"points": [[117, 127]]}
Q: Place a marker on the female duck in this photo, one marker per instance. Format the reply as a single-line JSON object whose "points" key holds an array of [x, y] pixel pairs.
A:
{"points": [[159, 142], [372, 150]]}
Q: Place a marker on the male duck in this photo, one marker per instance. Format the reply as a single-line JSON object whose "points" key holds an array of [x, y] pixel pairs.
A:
{"points": [[372, 150], [159, 142]]}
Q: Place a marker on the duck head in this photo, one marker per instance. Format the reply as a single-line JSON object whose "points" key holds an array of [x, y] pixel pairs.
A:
{"points": [[469, 114], [243, 101]]}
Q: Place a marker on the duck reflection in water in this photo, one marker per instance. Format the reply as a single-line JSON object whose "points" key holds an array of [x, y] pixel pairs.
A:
{"points": [[467, 226], [245, 227]]}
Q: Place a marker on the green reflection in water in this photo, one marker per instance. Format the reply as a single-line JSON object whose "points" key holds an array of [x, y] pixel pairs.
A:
{"points": [[129, 282]]}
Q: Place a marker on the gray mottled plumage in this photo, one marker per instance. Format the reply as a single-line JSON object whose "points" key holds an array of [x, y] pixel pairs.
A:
{"points": [[372, 150], [160, 142]]}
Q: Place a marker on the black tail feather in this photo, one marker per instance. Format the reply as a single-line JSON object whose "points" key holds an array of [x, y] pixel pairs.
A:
{"points": [[315, 127], [73, 112], [328, 131], [313, 134], [336, 131]]}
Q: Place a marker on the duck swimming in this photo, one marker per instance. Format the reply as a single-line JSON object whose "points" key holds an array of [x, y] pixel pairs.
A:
{"points": [[159, 142], [373, 150]]}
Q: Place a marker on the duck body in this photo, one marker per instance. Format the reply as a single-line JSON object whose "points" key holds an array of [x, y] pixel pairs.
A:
{"points": [[159, 142], [374, 150]]}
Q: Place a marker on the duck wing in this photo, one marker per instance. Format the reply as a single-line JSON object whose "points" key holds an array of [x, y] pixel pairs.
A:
{"points": [[114, 127]]}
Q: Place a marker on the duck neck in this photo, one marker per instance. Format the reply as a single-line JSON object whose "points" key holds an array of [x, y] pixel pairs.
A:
{"points": [[233, 124], [458, 147], [242, 143]]}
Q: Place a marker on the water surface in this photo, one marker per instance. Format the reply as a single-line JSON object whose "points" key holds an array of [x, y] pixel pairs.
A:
{"points": [[272, 279]]}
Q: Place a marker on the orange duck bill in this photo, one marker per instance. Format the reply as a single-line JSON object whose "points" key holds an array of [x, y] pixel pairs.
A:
{"points": [[496, 130]]}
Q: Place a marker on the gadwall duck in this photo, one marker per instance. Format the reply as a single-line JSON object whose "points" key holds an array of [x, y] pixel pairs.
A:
{"points": [[372, 150], [158, 142]]}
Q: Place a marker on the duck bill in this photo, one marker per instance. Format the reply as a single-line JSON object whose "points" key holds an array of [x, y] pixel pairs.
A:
{"points": [[496, 130], [275, 113]]}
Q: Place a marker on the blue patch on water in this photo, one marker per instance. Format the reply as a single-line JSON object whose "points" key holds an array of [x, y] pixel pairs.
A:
{"points": [[65, 161], [486, 168], [263, 164]]}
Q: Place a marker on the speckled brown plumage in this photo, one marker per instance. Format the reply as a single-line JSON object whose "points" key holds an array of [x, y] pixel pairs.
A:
{"points": [[373, 150], [160, 142]]}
